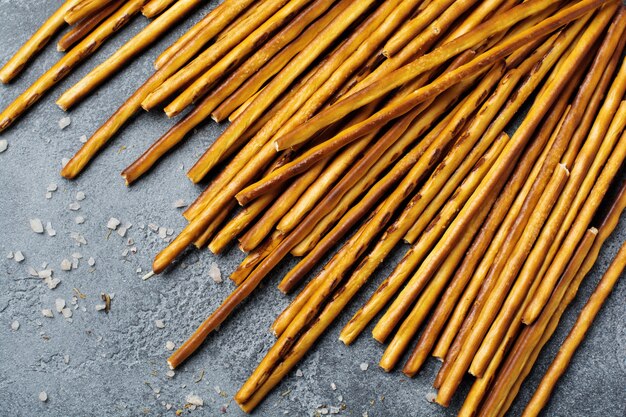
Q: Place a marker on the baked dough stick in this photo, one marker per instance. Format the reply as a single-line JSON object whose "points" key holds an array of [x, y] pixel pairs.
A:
{"points": [[577, 334], [177, 133], [255, 257], [519, 355], [155, 7], [434, 58], [483, 248], [383, 116], [130, 107], [127, 52], [84, 9], [349, 254], [472, 142], [433, 289], [214, 226], [37, 41], [85, 26], [481, 385], [340, 64], [206, 69], [248, 79], [519, 291], [69, 61]]}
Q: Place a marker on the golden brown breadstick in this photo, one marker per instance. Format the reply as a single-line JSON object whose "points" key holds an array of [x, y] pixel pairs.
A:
{"points": [[84, 9], [155, 7], [85, 26]]}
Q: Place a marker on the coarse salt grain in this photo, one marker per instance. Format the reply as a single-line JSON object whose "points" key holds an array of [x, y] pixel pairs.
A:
{"points": [[18, 256], [80, 196], [15, 325], [46, 312], [215, 273], [4, 144], [52, 187], [59, 304], [67, 313], [75, 206], [159, 324], [51, 232], [194, 400], [66, 265], [43, 397], [36, 225], [364, 366], [180, 203], [169, 345], [113, 223], [79, 220], [91, 261], [64, 122]]}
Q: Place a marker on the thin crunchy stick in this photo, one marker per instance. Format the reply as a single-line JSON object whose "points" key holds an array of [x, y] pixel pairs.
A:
{"points": [[215, 224], [155, 7], [84, 27], [37, 41], [255, 257], [270, 59], [436, 57], [133, 103], [128, 51], [577, 334], [198, 77], [69, 61], [84, 9], [431, 293], [516, 360], [519, 291], [312, 93]]}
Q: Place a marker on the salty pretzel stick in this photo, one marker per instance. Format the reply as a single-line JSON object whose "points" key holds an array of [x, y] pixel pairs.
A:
{"points": [[434, 58], [84, 27], [341, 63], [84, 9], [516, 360], [517, 293], [156, 7], [480, 256], [69, 61], [577, 334], [234, 103], [197, 77], [37, 41], [128, 51], [255, 257], [133, 103], [215, 224], [411, 324]]}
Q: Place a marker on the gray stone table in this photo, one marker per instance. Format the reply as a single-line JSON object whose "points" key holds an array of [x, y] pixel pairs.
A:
{"points": [[97, 364]]}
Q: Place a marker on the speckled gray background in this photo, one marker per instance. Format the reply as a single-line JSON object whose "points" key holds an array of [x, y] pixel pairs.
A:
{"points": [[117, 361]]}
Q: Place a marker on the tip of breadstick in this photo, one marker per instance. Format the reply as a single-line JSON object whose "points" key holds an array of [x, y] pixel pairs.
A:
{"points": [[61, 105], [60, 48], [215, 118]]}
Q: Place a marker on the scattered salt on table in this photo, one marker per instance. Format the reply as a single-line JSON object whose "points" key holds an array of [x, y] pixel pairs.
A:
{"points": [[36, 225]]}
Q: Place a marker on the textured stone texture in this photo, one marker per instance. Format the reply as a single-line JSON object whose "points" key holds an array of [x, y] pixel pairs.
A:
{"points": [[117, 360]]}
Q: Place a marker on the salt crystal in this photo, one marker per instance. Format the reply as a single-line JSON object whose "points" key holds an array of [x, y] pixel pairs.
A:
{"points": [[153, 227], [169, 232], [100, 307], [80, 196], [79, 220], [64, 161], [74, 263], [162, 232], [10, 255], [364, 366], [66, 359], [67, 313], [194, 400], [215, 273], [299, 372], [113, 223], [4, 144], [169, 345], [48, 195], [430, 397], [43, 397], [74, 206], [15, 325], [50, 230], [122, 231], [83, 139], [59, 304], [52, 282], [52, 187], [323, 410], [66, 265], [64, 122], [333, 386], [180, 203], [46, 312], [32, 271], [36, 225], [45, 273], [77, 255], [159, 324], [170, 374], [91, 261], [18, 256]]}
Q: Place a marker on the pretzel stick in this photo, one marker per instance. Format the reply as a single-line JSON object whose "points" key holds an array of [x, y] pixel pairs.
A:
{"points": [[84, 27], [192, 33], [577, 334], [428, 61], [498, 328], [127, 52], [234, 102], [215, 224], [313, 93], [35, 43], [504, 211], [513, 366], [156, 7], [133, 103], [411, 324], [68, 62], [255, 257], [197, 77], [84, 9]]}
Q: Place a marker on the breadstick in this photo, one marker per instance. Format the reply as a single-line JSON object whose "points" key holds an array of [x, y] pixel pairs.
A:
{"points": [[155, 7], [84, 27], [84, 9]]}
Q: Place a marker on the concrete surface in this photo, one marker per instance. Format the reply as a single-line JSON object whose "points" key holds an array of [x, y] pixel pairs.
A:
{"points": [[116, 361]]}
